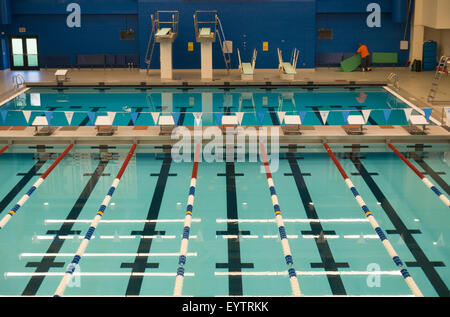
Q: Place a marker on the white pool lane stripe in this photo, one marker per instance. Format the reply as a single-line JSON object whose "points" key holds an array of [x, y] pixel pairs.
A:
{"points": [[31, 255], [348, 220], [93, 274], [281, 228], [33, 188], [119, 221], [309, 273], [82, 248], [178, 288], [387, 245]]}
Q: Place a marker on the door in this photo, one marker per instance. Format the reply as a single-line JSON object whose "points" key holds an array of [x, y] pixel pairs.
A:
{"points": [[24, 53]]}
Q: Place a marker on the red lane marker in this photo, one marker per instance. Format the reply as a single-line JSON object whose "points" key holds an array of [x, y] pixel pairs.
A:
{"points": [[127, 160], [335, 160], [3, 149], [404, 159], [50, 169]]}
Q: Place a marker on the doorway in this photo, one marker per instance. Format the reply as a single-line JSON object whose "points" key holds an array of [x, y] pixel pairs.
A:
{"points": [[24, 53]]}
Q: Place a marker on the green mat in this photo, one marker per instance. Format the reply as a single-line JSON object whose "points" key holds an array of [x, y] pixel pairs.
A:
{"points": [[352, 63], [384, 58]]}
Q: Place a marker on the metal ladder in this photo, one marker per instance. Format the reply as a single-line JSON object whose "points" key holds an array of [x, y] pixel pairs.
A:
{"points": [[443, 68], [151, 43], [156, 22], [18, 81], [393, 80], [222, 40]]}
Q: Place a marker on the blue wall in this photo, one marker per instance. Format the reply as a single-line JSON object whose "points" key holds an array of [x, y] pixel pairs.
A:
{"points": [[283, 23]]}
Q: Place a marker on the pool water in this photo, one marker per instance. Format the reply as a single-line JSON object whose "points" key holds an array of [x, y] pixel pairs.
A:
{"points": [[258, 105], [334, 248]]}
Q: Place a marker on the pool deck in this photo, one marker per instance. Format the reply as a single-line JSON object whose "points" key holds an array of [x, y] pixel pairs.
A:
{"points": [[413, 86]]}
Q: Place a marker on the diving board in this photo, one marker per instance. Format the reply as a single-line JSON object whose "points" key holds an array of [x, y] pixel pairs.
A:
{"points": [[164, 32], [288, 69], [247, 69]]}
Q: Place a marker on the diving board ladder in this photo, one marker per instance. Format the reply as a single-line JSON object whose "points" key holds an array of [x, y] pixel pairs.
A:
{"points": [[208, 27], [247, 69], [387, 245], [95, 222], [288, 69], [164, 32], [187, 226]]}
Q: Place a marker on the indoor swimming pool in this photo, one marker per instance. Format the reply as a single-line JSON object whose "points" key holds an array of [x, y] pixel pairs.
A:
{"points": [[234, 244], [315, 105]]}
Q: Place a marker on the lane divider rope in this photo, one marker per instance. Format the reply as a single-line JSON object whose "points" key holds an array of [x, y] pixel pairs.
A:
{"points": [[82, 248], [33, 188], [281, 228], [3, 149], [424, 179], [187, 226], [388, 246]]}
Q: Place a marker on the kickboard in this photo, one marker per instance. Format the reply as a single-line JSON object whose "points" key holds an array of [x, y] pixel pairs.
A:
{"points": [[352, 63]]}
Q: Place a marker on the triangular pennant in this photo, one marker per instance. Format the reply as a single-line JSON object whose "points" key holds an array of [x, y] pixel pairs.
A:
{"points": [[281, 115], [240, 116], [366, 114], [4, 113], [111, 116], [134, 116], [155, 116], [49, 116], [218, 117], [92, 115], [261, 115], [345, 115], [427, 112], [198, 118], [302, 115], [408, 112], [27, 115], [387, 114], [324, 116], [176, 117], [69, 116]]}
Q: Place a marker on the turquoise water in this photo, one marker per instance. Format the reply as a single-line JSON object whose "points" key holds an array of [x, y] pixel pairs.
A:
{"points": [[156, 189], [260, 105]]}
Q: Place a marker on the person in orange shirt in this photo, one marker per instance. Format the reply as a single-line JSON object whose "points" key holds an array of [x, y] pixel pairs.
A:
{"points": [[365, 55]]}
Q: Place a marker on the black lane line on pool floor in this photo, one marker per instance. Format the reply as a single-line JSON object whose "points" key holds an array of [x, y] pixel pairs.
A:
{"points": [[48, 262], [234, 264], [427, 266], [23, 182], [140, 263], [428, 170], [328, 262]]}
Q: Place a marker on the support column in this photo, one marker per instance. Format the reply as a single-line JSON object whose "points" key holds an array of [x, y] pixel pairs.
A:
{"points": [[166, 59], [417, 32], [206, 51]]}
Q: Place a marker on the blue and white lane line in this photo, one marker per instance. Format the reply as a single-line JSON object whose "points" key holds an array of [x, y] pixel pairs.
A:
{"points": [[82, 248], [425, 180], [33, 188], [388, 246], [281, 228], [177, 291]]}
